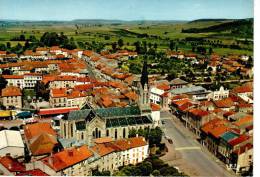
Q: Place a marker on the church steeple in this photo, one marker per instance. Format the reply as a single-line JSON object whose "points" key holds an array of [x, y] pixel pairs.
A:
{"points": [[144, 77], [144, 95]]}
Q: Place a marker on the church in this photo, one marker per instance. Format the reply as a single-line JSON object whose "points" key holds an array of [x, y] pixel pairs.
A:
{"points": [[86, 125]]}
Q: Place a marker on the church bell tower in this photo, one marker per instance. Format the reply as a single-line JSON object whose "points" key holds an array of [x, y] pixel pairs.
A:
{"points": [[144, 93]]}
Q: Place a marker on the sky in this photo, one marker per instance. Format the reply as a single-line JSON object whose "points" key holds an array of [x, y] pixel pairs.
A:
{"points": [[125, 9]]}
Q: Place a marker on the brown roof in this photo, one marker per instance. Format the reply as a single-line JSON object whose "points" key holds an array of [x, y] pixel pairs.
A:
{"points": [[11, 91], [224, 103], [43, 144]]}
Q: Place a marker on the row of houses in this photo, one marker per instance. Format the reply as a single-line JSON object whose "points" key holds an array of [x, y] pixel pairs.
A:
{"points": [[48, 157], [222, 124]]}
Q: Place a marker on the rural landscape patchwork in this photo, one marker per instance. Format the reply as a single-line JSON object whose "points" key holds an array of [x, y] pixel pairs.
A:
{"points": [[126, 88]]}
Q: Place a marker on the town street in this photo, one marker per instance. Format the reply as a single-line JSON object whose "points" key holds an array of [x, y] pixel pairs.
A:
{"points": [[186, 153]]}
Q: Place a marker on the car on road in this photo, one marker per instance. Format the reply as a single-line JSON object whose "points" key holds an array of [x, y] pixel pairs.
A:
{"points": [[163, 122]]}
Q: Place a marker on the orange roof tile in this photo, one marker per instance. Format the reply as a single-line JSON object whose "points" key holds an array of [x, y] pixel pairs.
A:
{"points": [[103, 149], [59, 92], [36, 129], [243, 121], [12, 76], [224, 103], [12, 164], [11, 91], [155, 107], [67, 158], [125, 144]]}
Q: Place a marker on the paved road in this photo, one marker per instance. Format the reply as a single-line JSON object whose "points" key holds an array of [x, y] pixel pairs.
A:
{"points": [[191, 151]]}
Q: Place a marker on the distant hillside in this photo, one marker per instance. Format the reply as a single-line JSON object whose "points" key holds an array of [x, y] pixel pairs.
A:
{"points": [[243, 28], [210, 20]]}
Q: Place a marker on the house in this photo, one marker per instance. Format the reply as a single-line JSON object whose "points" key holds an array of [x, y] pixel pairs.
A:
{"points": [[30, 79], [212, 127], [11, 143], [68, 162], [219, 94], [132, 150], [196, 93], [40, 138], [76, 99], [63, 82], [243, 158], [156, 95], [196, 119], [14, 80], [178, 83], [226, 104], [156, 114], [11, 96], [58, 97]]}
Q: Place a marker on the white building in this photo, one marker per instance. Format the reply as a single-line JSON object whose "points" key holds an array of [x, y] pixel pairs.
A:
{"points": [[219, 94], [156, 95], [14, 80], [11, 143], [30, 79]]}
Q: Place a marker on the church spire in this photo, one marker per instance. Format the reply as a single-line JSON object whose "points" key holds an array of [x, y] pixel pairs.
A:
{"points": [[144, 77]]}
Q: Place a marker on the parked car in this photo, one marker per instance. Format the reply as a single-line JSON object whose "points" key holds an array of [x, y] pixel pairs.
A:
{"points": [[170, 141]]}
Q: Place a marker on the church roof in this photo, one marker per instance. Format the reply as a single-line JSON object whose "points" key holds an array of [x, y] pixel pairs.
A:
{"points": [[115, 117], [105, 112]]}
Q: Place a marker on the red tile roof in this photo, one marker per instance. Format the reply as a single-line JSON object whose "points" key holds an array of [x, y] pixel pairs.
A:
{"points": [[125, 144], [34, 130], [155, 107], [58, 92], [11, 91], [53, 111], [244, 121], [12, 76], [207, 127], [103, 149], [12, 164], [224, 103], [239, 140], [198, 112], [67, 158]]}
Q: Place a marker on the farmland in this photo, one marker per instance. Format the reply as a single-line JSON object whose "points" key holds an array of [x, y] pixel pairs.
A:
{"points": [[160, 33]]}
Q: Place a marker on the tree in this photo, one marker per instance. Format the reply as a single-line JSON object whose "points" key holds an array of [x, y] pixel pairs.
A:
{"points": [[120, 43], [8, 45], [114, 46], [156, 173], [137, 47], [41, 90], [155, 45], [2, 47], [3, 83], [171, 45], [22, 37], [146, 168], [210, 50]]}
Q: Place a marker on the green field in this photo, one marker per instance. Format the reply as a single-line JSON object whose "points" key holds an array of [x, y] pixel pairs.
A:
{"points": [[164, 32]]}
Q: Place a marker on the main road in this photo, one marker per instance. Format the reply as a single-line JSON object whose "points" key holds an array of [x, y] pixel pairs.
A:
{"points": [[195, 157]]}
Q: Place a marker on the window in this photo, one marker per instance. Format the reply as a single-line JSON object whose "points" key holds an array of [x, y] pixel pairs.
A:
{"points": [[107, 133], [71, 130], [124, 133], [115, 133]]}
